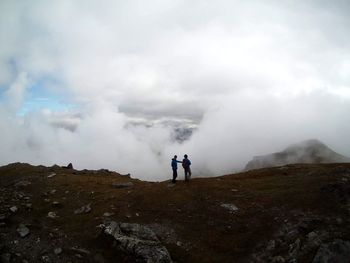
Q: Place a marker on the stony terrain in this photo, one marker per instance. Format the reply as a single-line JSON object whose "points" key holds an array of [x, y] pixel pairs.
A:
{"points": [[295, 213]]}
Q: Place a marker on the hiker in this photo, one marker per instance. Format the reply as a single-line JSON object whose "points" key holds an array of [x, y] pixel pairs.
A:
{"points": [[186, 163], [174, 166]]}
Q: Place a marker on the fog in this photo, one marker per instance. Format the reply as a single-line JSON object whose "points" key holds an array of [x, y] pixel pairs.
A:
{"points": [[248, 78]]}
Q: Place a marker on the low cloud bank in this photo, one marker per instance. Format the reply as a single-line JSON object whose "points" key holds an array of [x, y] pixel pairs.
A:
{"points": [[245, 78], [224, 141]]}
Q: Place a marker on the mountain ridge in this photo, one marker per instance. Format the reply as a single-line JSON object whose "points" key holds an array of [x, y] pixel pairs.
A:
{"points": [[308, 151]]}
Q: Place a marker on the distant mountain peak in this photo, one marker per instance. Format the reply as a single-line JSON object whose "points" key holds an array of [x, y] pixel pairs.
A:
{"points": [[308, 151]]}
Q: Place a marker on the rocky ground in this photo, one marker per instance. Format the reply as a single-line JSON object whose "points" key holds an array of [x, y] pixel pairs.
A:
{"points": [[294, 213]]}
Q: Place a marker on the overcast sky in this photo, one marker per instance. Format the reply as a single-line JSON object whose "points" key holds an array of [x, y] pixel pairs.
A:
{"points": [[252, 76]]}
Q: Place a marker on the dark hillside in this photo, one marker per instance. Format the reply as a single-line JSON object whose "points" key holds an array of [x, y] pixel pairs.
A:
{"points": [[294, 212]]}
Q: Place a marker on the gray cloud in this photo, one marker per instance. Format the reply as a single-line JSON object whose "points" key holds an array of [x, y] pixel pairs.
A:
{"points": [[252, 76]]}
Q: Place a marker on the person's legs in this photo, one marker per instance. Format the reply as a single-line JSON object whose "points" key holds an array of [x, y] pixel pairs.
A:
{"points": [[174, 175], [187, 174]]}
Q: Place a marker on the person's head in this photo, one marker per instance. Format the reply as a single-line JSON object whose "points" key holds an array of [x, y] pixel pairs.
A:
{"points": [[185, 156], [175, 156]]}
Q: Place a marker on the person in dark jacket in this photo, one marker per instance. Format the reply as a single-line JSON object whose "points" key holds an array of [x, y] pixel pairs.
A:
{"points": [[174, 167], [186, 163]]}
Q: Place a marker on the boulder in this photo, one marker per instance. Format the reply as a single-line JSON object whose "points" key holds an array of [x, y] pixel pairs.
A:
{"points": [[139, 241], [22, 230]]}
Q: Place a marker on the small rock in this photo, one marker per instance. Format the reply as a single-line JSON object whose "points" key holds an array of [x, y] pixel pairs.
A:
{"points": [[57, 251], [56, 204], [178, 243], [234, 190], [51, 175], [53, 191], [80, 250], [45, 259], [22, 183], [339, 221], [312, 235], [83, 210], [13, 209], [137, 214], [47, 200], [271, 245], [29, 205], [22, 230], [2, 224], [122, 185], [231, 207], [107, 214], [51, 215]]}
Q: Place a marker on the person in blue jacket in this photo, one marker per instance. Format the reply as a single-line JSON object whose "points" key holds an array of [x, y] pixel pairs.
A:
{"points": [[174, 167], [186, 163]]}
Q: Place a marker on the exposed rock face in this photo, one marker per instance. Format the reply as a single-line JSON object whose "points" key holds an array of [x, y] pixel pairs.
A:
{"points": [[310, 151], [336, 251], [138, 240]]}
